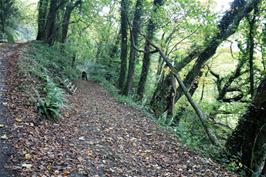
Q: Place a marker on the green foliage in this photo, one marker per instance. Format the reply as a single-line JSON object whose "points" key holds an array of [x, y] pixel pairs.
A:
{"points": [[50, 59], [26, 26], [44, 64], [53, 102], [191, 132], [9, 16]]}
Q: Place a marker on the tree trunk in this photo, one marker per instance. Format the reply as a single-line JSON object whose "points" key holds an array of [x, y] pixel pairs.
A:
{"points": [[264, 169], [2, 17], [123, 54], [195, 85], [203, 86], [164, 88], [42, 15], [250, 47], [226, 87], [146, 61], [263, 48], [249, 137], [134, 42], [50, 25], [66, 21], [159, 66], [73, 61], [147, 54], [115, 47]]}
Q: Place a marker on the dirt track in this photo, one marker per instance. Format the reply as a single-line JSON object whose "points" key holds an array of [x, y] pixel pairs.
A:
{"points": [[6, 150]]}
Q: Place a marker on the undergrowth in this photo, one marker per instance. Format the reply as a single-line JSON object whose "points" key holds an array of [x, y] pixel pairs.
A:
{"points": [[54, 100], [44, 65]]}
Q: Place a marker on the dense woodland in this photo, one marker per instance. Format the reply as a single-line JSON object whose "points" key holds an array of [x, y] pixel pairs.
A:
{"points": [[195, 70]]}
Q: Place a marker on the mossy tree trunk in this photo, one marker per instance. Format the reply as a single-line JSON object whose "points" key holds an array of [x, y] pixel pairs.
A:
{"points": [[50, 27], [66, 22], [147, 48], [249, 137], [124, 49], [263, 48], [165, 87], [264, 169], [250, 46], [134, 42]]}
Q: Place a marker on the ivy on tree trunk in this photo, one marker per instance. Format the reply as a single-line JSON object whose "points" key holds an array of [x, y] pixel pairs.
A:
{"points": [[249, 137]]}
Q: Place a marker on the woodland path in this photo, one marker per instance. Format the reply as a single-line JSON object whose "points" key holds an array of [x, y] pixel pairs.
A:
{"points": [[96, 137], [5, 147], [121, 141]]}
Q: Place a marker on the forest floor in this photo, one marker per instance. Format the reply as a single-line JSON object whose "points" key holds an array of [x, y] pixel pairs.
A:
{"points": [[95, 137]]}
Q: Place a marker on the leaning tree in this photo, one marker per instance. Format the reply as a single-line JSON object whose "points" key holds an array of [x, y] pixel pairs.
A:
{"points": [[227, 26]]}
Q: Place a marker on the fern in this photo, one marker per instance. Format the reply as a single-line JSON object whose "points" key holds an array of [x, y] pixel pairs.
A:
{"points": [[53, 102]]}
